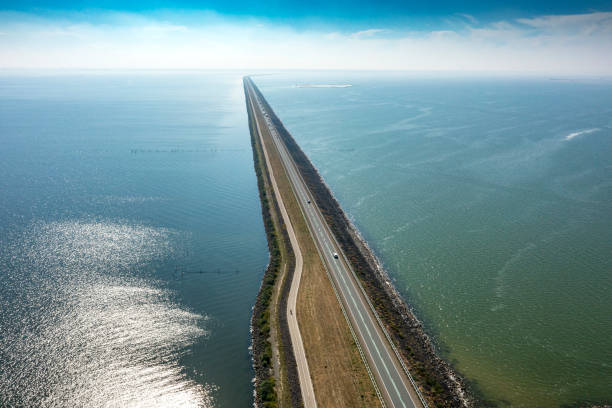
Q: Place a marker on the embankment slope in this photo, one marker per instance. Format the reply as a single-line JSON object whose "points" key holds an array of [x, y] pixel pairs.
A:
{"points": [[435, 378]]}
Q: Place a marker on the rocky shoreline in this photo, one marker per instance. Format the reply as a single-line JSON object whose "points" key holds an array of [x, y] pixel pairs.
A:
{"points": [[437, 381], [453, 381]]}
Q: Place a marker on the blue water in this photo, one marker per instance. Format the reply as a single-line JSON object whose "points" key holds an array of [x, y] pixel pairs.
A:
{"points": [[489, 200], [131, 241], [132, 248]]}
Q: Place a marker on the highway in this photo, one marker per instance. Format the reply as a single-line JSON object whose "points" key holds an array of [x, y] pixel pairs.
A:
{"points": [[390, 377]]}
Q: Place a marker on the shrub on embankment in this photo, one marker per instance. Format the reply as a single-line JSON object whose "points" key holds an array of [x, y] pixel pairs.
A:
{"points": [[436, 379], [265, 393]]}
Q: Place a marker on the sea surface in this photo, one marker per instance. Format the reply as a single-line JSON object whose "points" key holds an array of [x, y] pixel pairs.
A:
{"points": [[131, 240], [489, 200]]}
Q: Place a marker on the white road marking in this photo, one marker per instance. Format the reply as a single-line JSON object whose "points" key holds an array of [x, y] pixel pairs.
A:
{"points": [[325, 241]]}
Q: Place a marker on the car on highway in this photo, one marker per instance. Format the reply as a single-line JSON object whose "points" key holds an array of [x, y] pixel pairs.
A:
{"points": [[336, 255]]}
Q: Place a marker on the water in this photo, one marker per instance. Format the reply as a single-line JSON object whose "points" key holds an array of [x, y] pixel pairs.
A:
{"points": [[490, 203], [131, 241]]}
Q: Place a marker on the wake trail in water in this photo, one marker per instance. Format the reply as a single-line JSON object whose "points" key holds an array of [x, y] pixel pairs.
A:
{"points": [[580, 133]]}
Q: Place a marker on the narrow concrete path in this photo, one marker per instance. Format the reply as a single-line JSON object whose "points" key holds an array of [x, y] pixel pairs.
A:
{"points": [[308, 395]]}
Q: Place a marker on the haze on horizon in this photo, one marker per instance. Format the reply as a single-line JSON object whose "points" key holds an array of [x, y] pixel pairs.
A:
{"points": [[574, 38]]}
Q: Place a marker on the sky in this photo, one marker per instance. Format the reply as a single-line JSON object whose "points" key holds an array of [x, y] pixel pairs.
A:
{"points": [[513, 36]]}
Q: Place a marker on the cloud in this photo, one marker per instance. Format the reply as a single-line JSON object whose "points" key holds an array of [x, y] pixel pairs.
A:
{"points": [[162, 29], [567, 45], [601, 20], [470, 18], [368, 33]]}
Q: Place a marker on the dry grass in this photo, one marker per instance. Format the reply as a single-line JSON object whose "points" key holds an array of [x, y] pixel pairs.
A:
{"points": [[282, 388], [339, 376]]}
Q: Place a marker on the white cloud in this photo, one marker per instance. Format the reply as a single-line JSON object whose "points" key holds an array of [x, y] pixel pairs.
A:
{"points": [[602, 20], [468, 17], [368, 33], [573, 45]]}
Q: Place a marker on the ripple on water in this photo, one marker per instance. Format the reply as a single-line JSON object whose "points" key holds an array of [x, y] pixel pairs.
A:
{"points": [[91, 334]]}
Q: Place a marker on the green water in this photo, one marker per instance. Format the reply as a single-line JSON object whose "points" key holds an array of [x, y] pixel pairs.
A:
{"points": [[132, 247], [490, 203]]}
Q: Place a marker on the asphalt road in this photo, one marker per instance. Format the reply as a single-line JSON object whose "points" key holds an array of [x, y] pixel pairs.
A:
{"points": [[306, 387], [391, 380]]}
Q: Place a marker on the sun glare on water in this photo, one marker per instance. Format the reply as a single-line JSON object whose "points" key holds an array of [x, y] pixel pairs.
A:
{"points": [[94, 335]]}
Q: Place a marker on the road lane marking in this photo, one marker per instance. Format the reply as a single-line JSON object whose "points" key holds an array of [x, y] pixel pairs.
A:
{"points": [[327, 244], [324, 239], [372, 340]]}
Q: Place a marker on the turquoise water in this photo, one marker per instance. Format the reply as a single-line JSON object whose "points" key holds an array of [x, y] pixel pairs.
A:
{"points": [[131, 241], [490, 203], [132, 248]]}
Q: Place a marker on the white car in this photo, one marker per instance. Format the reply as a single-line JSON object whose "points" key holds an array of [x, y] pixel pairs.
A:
{"points": [[336, 255]]}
